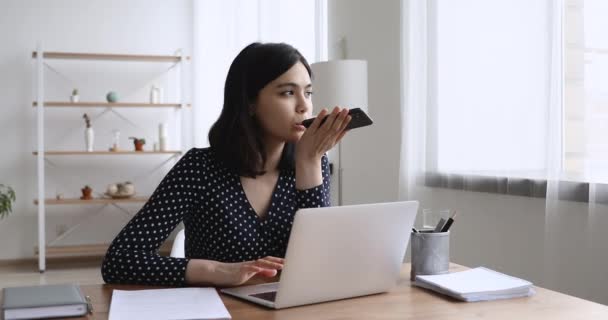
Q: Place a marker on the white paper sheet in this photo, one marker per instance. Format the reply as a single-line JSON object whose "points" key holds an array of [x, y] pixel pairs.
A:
{"points": [[479, 284], [178, 303]]}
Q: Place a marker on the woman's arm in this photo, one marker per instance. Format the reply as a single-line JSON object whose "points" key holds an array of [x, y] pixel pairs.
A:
{"points": [[133, 255], [312, 184]]}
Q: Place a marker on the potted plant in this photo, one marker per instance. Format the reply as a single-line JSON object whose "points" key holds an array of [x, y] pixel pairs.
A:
{"points": [[74, 97], [139, 143], [86, 193], [7, 197]]}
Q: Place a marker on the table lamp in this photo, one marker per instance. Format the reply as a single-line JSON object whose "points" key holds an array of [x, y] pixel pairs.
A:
{"points": [[339, 83]]}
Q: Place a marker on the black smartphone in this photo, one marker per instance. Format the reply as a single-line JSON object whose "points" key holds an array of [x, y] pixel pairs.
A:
{"points": [[359, 119]]}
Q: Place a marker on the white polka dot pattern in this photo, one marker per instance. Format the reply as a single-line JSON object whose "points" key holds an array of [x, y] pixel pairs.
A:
{"points": [[220, 222]]}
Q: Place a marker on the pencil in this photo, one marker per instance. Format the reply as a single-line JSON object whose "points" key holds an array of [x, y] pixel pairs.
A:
{"points": [[448, 223]]}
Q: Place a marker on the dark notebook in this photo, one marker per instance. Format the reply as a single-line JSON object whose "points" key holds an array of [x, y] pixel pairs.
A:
{"points": [[39, 302]]}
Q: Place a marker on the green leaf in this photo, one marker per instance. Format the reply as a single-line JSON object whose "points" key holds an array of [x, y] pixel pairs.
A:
{"points": [[7, 196]]}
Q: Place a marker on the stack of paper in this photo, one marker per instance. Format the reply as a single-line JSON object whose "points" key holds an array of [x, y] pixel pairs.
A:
{"points": [[479, 284], [179, 303]]}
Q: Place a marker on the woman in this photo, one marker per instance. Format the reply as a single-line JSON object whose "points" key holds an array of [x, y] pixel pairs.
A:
{"points": [[237, 198]]}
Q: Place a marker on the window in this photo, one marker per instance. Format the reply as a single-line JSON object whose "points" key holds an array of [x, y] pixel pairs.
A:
{"points": [[223, 28], [586, 94], [488, 62], [490, 100]]}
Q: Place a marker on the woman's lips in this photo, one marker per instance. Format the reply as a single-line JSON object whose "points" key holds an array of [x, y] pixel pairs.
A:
{"points": [[299, 127]]}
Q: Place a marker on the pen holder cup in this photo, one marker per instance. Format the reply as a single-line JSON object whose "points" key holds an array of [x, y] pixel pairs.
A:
{"points": [[430, 253]]}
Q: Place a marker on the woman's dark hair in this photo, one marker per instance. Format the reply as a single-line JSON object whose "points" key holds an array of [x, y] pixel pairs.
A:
{"points": [[236, 136]]}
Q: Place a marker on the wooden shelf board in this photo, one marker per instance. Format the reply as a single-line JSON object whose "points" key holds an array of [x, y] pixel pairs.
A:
{"points": [[60, 104], [104, 153], [109, 57], [92, 201], [90, 250]]}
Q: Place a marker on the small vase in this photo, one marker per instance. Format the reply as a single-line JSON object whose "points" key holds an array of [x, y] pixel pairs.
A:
{"points": [[89, 137], [162, 136], [74, 98], [163, 143], [154, 95]]}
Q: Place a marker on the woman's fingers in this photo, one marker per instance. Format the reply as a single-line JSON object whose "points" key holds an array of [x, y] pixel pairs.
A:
{"points": [[332, 134], [268, 264], [274, 259], [268, 273], [345, 123], [331, 119], [250, 267], [317, 122], [339, 123], [252, 270], [319, 138]]}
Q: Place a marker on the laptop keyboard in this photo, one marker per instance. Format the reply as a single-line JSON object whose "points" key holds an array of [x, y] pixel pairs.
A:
{"points": [[270, 296]]}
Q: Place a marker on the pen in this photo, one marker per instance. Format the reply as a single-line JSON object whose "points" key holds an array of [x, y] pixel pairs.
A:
{"points": [[440, 225], [448, 223]]}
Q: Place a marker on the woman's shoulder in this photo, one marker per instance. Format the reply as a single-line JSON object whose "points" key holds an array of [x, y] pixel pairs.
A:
{"points": [[204, 157], [198, 156], [199, 152]]}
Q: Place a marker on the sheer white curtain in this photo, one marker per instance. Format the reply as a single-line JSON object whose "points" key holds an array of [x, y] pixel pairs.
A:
{"points": [[223, 28], [476, 96], [576, 215], [501, 94]]}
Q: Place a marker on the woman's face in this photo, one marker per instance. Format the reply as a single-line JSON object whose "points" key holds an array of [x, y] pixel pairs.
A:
{"points": [[284, 103]]}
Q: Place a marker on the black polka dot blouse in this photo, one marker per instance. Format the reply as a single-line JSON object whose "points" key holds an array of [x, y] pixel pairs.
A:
{"points": [[220, 223]]}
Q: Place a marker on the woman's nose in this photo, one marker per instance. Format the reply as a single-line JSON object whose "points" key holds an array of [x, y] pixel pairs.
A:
{"points": [[304, 105]]}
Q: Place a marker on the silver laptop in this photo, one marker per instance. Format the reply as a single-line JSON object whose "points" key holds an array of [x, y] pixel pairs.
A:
{"points": [[337, 253]]}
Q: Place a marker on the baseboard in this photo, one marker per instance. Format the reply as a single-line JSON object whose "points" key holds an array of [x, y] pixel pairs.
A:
{"points": [[67, 261]]}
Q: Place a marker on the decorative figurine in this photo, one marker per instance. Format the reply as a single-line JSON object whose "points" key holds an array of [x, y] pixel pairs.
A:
{"points": [[112, 97]]}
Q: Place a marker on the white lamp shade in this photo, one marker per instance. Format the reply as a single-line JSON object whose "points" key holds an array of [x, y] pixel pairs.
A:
{"points": [[339, 83]]}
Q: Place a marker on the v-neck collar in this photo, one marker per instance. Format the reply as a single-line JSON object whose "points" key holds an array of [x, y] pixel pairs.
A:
{"points": [[272, 199]]}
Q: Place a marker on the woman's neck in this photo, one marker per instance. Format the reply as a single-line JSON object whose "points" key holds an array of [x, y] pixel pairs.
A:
{"points": [[274, 150]]}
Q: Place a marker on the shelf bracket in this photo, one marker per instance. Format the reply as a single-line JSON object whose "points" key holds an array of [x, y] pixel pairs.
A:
{"points": [[74, 227], [123, 117], [123, 210]]}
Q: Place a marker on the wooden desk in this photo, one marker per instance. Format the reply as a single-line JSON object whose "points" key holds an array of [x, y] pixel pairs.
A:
{"points": [[403, 302]]}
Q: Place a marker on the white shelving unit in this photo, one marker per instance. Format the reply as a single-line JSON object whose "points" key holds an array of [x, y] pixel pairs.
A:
{"points": [[42, 153]]}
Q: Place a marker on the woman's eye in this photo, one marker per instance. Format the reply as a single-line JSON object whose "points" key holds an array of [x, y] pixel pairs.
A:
{"points": [[287, 93], [308, 93]]}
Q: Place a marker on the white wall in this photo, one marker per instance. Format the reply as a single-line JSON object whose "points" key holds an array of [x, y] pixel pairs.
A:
{"points": [[506, 233], [370, 156], [134, 26]]}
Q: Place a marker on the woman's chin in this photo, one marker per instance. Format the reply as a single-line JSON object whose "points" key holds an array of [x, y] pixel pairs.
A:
{"points": [[294, 137]]}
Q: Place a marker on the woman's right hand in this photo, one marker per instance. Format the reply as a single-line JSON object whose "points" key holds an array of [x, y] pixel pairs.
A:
{"points": [[235, 274], [222, 274]]}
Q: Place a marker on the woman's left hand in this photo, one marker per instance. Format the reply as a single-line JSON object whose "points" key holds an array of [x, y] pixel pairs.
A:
{"points": [[320, 138]]}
